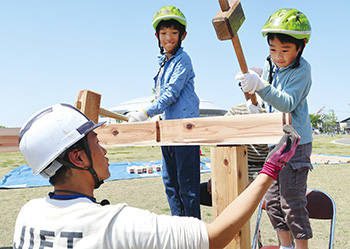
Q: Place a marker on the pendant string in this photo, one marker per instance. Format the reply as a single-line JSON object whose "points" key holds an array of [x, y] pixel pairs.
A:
{"points": [[75, 195]]}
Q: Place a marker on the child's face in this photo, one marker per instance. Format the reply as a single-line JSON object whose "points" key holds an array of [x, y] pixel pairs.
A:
{"points": [[283, 54], [169, 38]]}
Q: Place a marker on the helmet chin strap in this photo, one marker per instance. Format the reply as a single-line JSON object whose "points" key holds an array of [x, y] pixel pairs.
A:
{"points": [[297, 60], [90, 169]]}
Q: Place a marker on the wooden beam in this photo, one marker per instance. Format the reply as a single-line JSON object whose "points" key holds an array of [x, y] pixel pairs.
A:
{"points": [[9, 139], [229, 176], [128, 134], [263, 128]]}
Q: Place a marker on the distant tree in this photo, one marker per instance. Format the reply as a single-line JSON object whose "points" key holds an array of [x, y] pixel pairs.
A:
{"points": [[316, 120], [1, 126], [329, 122]]}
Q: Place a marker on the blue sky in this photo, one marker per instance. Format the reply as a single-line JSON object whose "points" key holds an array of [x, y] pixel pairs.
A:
{"points": [[50, 50]]}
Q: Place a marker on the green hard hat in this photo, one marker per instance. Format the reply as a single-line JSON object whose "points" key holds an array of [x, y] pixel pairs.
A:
{"points": [[167, 13], [290, 22]]}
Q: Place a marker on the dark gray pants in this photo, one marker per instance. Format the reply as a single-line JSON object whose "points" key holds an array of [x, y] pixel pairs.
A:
{"points": [[286, 200]]}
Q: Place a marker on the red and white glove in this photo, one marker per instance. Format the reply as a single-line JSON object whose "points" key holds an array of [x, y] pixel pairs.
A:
{"points": [[251, 82], [138, 116], [282, 152]]}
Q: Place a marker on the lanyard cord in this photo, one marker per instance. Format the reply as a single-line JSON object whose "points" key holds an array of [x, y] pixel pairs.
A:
{"points": [[53, 195], [76, 195], [274, 84]]}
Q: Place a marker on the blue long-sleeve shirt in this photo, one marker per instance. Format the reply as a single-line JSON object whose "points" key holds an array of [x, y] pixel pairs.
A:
{"points": [[177, 98], [288, 93]]}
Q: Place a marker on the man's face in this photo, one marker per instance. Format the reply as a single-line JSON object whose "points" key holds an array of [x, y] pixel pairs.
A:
{"points": [[100, 161]]}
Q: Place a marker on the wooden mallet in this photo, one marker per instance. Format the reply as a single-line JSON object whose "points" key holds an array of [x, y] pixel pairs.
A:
{"points": [[89, 103], [226, 23]]}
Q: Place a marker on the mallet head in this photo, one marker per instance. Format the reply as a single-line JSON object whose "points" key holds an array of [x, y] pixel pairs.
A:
{"points": [[227, 23]]}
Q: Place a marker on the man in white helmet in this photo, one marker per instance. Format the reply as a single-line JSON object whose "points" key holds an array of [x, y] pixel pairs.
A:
{"points": [[59, 143]]}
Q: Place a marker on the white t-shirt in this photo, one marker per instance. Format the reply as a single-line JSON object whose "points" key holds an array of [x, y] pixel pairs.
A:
{"points": [[80, 223]]}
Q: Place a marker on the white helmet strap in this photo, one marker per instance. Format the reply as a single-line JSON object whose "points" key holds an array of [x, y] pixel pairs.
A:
{"points": [[51, 170]]}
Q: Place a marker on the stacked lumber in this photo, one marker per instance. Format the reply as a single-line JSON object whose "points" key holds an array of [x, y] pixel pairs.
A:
{"points": [[143, 169], [9, 139]]}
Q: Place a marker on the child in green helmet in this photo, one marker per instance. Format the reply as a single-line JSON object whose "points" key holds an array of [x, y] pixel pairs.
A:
{"points": [[284, 86], [176, 98]]}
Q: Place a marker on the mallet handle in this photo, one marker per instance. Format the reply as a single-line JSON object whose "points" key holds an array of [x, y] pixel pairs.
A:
{"points": [[239, 52], [242, 63], [107, 113], [225, 6]]}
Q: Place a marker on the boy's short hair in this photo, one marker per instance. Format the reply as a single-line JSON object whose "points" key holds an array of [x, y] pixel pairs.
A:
{"points": [[285, 38], [171, 23], [299, 43]]}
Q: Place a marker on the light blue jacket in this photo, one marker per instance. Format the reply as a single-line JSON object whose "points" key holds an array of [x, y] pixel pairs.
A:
{"points": [[288, 93], [177, 96]]}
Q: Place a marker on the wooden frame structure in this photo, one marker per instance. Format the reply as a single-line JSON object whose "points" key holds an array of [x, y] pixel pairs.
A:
{"points": [[229, 165]]}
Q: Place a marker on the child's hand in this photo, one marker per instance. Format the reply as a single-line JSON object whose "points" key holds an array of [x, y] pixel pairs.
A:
{"points": [[282, 152], [138, 116], [253, 109], [251, 82]]}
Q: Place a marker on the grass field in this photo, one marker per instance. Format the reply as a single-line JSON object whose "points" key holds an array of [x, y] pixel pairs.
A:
{"points": [[148, 193]]}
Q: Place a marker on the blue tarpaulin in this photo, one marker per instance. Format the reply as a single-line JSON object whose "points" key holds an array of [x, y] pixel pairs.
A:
{"points": [[22, 177]]}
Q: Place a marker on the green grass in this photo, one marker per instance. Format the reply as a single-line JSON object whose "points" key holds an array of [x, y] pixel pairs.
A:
{"points": [[148, 193]]}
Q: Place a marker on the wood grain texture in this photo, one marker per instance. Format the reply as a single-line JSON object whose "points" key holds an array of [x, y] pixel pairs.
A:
{"points": [[89, 103], [229, 172], [9, 139], [244, 129], [127, 134], [227, 22]]}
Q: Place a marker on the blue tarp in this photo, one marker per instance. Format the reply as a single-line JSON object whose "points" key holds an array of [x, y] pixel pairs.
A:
{"points": [[22, 177]]}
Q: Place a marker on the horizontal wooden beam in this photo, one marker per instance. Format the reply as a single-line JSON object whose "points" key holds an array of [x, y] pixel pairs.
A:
{"points": [[9, 139], [224, 130], [127, 134]]}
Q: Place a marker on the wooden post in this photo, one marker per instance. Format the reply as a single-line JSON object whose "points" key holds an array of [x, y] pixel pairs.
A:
{"points": [[229, 174], [229, 163]]}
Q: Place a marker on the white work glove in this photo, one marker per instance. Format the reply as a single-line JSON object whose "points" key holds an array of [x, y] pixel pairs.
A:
{"points": [[251, 82], [253, 109], [138, 116]]}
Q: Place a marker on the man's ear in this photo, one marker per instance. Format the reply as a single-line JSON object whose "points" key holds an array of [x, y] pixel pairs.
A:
{"points": [[156, 35], [183, 36], [78, 158]]}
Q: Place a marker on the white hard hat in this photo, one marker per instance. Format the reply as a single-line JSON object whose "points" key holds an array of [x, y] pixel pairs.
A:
{"points": [[48, 133]]}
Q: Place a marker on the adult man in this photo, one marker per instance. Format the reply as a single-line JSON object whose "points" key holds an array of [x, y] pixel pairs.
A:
{"points": [[59, 142]]}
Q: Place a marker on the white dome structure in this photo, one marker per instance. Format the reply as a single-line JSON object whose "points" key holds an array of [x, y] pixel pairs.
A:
{"points": [[206, 108]]}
